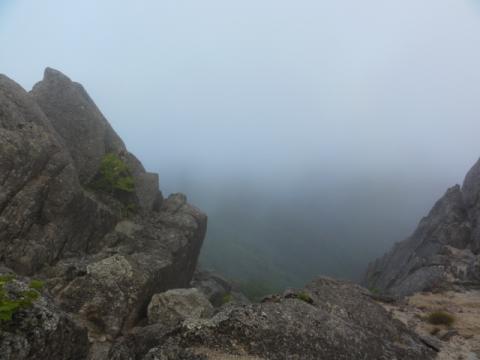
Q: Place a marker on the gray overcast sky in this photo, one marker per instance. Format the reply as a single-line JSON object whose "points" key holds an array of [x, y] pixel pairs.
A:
{"points": [[260, 88]]}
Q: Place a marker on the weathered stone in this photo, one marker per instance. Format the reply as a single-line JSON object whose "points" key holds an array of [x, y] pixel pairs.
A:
{"points": [[143, 256], [174, 306], [340, 322], [41, 332]]}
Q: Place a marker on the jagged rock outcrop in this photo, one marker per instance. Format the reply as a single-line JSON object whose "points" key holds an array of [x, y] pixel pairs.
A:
{"points": [[45, 214], [329, 319], [41, 331], [443, 252], [103, 254]]}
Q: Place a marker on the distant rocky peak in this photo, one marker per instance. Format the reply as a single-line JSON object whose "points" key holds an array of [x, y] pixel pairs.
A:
{"points": [[443, 251]]}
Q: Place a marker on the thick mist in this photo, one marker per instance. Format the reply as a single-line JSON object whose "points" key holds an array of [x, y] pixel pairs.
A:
{"points": [[314, 134]]}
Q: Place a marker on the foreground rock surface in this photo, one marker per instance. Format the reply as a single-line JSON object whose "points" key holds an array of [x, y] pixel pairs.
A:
{"points": [[328, 319], [444, 251], [461, 339]]}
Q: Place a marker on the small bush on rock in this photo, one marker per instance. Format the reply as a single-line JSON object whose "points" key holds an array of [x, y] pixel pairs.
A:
{"points": [[374, 290], [304, 297], [227, 298], [36, 284], [440, 318], [114, 175]]}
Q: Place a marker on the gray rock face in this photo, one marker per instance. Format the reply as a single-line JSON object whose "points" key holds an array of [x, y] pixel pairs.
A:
{"points": [[84, 130], [142, 256], [328, 319], [41, 332], [442, 252], [102, 260], [175, 306], [45, 214]]}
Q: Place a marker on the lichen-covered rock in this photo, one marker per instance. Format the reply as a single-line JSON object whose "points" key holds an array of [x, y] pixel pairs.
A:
{"points": [[41, 332], [442, 253], [174, 306], [142, 256], [328, 319]]}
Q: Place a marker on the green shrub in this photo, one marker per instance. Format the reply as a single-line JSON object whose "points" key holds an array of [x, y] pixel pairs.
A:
{"points": [[440, 318], [304, 297], [227, 298], [114, 175], [129, 209], [374, 290], [11, 304], [36, 284]]}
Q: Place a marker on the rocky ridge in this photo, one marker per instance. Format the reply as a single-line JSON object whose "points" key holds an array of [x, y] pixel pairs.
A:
{"points": [[444, 251]]}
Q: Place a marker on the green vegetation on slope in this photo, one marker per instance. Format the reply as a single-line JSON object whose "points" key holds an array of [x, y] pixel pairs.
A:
{"points": [[11, 304]]}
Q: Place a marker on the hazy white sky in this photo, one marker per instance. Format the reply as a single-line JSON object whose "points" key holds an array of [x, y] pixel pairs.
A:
{"points": [[267, 87]]}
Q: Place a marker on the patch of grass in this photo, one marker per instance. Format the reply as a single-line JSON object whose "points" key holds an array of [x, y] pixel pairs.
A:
{"points": [[227, 298], [36, 285], [374, 291], [440, 318], [113, 175], [11, 304], [304, 297], [6, 279], [129, 210]]}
